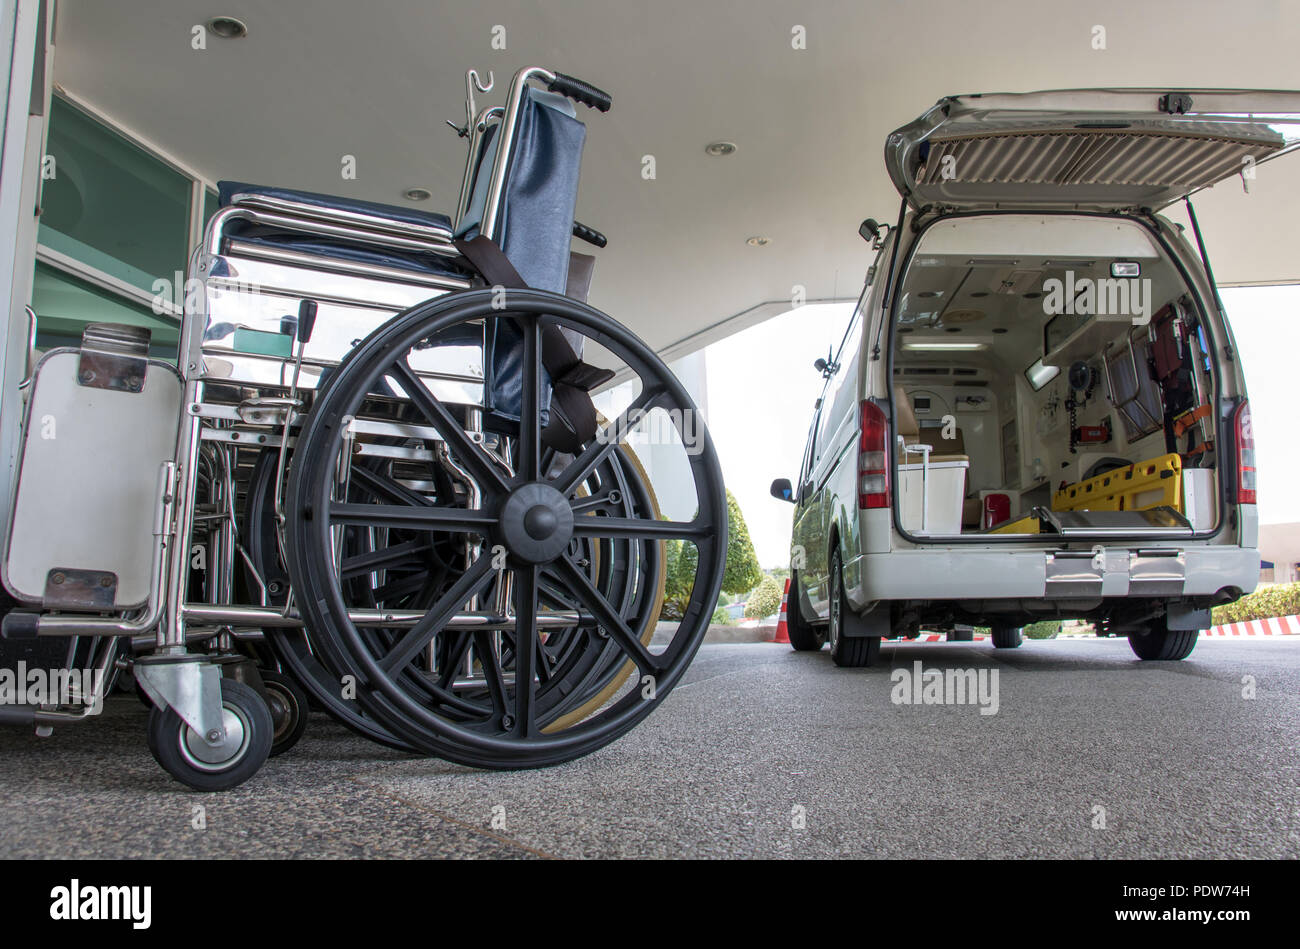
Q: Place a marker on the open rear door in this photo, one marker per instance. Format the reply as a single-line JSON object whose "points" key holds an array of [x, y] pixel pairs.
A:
{"points": [[1088, 149]]}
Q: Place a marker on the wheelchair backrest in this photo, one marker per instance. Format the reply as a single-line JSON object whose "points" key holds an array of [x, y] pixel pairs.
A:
{"points": [[535, 223]]}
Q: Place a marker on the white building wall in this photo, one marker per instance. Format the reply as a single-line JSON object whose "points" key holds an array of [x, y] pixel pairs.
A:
{"points": [[656, 443]]}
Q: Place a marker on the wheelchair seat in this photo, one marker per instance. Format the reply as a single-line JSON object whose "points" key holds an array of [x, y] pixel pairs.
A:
{"points": [[365, 231], [238, 192]]}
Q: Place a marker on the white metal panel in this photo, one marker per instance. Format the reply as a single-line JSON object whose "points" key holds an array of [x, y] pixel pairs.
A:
{"points": [[87, 479]]}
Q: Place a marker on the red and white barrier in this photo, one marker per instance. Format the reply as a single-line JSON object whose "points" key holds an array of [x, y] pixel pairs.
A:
{"points": [[1277, 626]]}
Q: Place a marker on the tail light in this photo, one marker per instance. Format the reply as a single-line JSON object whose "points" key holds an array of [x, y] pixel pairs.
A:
{"points": [[873, 458], [1245, 436]]}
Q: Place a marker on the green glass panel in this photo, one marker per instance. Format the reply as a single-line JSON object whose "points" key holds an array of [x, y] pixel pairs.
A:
{"points": [[211, 205], [110, 204], [65, 304]]}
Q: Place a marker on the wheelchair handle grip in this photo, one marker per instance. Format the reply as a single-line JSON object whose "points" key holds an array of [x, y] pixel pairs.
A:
{"points": [[580, 91], [300, 327], [589, 234]]}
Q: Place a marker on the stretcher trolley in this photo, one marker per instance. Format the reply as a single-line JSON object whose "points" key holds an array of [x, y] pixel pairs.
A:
{"points": [[374, 483]]}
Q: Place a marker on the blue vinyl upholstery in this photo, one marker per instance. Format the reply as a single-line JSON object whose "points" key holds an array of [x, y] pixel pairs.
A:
{"points": [[360, 251], [536, 228]]}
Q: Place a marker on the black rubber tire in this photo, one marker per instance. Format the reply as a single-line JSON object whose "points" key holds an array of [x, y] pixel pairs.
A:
{"points": [[804, 637], [847, 653], [167, 733], [1163, 644], [962, 634], [1006, 637], [426, 715], [289, 707]]}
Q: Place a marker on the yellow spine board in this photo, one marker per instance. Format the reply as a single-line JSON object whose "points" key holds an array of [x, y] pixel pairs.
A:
{"points": [[1157, 482], [1026, 525]]}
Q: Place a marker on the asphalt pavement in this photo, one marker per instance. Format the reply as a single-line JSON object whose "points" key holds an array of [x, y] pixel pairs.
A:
{"points": [[760, 752]]}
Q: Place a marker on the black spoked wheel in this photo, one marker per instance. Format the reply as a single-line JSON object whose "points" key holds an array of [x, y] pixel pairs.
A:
{"points": [[383, 568], [538, 650], [293, 647]]}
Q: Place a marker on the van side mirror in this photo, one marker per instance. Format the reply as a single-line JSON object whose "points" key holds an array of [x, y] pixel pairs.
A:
{"points": [[782, 490], [820, 365]]}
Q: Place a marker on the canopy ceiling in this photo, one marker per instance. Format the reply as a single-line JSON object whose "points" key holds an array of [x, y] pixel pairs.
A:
{"points": [[319, 79]]}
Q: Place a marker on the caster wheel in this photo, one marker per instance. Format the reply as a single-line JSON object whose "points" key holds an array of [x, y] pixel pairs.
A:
{"points": [[184, 754], [143, 696], [289, 707]]}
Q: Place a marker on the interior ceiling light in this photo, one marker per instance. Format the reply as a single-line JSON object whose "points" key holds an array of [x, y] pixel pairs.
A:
{"points": [[417, 194], [758, 241], [943, 347], [720, 149], [227, 27]]}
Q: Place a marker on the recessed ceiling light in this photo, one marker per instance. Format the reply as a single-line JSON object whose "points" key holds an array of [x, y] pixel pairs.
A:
{"points": [[227, 27], [417, 194], [720, 149], [758, 241]]}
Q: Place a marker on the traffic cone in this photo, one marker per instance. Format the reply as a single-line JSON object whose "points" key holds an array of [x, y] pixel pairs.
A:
{"points": [[782, 634]]}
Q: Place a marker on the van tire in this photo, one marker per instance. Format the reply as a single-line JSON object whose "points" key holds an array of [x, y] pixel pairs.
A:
{"points": [[804, 637], [1006, 637], [845, 652], [1163, 644]]}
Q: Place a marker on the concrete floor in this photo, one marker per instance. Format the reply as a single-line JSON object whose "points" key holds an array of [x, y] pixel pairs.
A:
{"points": [[1182, 764]]}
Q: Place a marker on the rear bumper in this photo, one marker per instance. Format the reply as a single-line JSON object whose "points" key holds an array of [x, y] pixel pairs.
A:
{"points": [[937, 573]]}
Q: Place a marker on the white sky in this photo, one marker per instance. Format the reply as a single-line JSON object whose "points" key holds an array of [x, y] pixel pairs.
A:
{"points": [[762, 386]]}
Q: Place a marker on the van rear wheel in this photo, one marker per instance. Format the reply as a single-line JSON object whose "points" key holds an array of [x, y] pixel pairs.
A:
{"points": [[845, 652], [1006, 637], [1163, 644], [804, 637]]}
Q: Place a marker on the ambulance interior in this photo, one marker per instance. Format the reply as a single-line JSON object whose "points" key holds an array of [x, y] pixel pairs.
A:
{"points": [[1046, 377]]}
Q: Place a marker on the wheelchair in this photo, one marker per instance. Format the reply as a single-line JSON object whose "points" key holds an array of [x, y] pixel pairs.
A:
{"points": [[375, 483]]}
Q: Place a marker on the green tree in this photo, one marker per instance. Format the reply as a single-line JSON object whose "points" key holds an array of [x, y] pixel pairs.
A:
{"points": [[742, 571], [766, 598], [681, 559]]}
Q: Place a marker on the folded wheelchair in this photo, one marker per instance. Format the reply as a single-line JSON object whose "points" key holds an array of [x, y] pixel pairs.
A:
{"points": [[375, 482]]}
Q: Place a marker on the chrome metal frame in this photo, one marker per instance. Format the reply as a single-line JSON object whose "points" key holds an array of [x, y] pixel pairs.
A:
{"points": [[207, 439]]}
